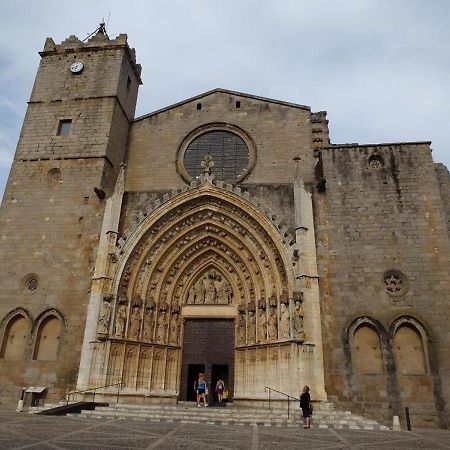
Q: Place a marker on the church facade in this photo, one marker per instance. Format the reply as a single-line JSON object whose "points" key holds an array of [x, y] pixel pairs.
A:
{"points": [[224, 234]]}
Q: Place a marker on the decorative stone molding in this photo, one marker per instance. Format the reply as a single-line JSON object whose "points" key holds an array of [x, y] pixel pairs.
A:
{"points": [[141, 216], [395, 283]]}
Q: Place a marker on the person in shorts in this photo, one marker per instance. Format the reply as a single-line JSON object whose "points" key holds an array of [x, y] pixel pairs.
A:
{"points": [[201, 387], [220, 387]]}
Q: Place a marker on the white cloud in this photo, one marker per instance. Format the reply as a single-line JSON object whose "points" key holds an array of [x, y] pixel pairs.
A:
{"points": [[379, 67]]}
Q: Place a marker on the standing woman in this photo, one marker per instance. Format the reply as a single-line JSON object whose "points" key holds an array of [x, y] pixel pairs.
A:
{"points": [[305, 404], [220, 387]]}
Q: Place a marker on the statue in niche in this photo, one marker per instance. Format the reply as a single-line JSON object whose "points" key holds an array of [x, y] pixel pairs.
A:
{"points": [[162, 326], [135, 322], [262, 324], [174, 326], [241, 328], [273, 325], [147, 329], [105, 316], [251, 330], [298, 321], [284, 321], [121, 320]]}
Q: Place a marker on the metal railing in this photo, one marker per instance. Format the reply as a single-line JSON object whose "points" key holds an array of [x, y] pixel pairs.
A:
{"points": [[289, 397], [119, 387]]}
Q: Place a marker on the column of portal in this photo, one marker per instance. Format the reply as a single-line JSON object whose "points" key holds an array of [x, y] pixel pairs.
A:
{"points": [[107, 240], [308, 282]]}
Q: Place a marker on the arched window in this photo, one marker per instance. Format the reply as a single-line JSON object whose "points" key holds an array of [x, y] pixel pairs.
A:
{"points": [[15, 338], [409, 350], [48, 339], [366, 352]]}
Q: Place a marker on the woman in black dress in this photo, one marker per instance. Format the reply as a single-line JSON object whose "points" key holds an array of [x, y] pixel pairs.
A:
{"points": [[305, 404]]}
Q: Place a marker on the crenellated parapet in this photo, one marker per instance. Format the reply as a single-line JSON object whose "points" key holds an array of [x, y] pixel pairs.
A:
{"points": [[98, 41]]}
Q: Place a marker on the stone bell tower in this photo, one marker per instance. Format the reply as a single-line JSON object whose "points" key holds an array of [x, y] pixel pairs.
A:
{"points": [[72, 143]]}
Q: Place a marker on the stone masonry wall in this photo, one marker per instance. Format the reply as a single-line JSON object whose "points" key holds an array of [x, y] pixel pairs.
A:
{"points": [[279, 132], [443, 177], [53, 206], [49, 228], [373, 218]]}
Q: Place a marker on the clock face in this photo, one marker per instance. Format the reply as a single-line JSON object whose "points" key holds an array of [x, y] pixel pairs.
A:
{"points": [[77, 67]]}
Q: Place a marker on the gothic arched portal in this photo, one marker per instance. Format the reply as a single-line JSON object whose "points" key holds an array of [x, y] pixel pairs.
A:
{"points": [[206, 252]]}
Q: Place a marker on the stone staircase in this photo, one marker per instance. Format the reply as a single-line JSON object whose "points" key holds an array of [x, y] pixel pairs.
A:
{"points": [[189, 413]]}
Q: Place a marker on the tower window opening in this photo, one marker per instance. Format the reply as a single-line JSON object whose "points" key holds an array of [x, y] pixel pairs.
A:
{"points": [[64, 127], [128, 82], [238, 104], [199, 106]]}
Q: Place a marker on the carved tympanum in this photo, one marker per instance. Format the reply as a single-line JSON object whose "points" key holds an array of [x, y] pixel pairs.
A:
{"points": [[210, 288]]}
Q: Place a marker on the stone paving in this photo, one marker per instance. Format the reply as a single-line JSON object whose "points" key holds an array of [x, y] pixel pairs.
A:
{"points": [[18, 431]]}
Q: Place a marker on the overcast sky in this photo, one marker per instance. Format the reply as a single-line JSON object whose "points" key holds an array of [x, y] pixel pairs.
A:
{"points": [[381, 68]]}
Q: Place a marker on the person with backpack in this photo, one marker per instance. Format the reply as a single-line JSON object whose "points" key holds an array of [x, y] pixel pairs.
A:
{"points": [[220, 388]]}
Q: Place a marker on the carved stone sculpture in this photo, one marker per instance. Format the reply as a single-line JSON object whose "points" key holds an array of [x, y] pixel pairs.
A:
{"points": [[162, 326], [262, 325], [105, 316], [191, 295], [298, 321], [273, 325], [135, 322], [211, 288], [147, 329], [228, 292], [241, 328], [251, 329], [174, 328], [219, 285], [199, 292], [121, 320], [284, 321]]}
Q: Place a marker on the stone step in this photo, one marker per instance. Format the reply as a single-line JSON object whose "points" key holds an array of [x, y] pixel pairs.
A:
{"points": [[220, 411], [235, 416]]}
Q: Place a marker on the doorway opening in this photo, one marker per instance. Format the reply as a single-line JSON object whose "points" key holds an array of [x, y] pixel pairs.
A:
{"points": [[193, 371], [208, 347]]}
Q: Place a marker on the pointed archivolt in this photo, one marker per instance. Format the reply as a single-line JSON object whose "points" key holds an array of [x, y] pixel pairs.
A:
{"points": [[206, 245], [194, 186]]}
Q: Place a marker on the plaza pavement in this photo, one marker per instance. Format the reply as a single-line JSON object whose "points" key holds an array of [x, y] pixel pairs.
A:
{"points": [[24, 430]]}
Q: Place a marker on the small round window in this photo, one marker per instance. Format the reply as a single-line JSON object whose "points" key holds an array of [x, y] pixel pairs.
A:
{"points": [[228, 151]]}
